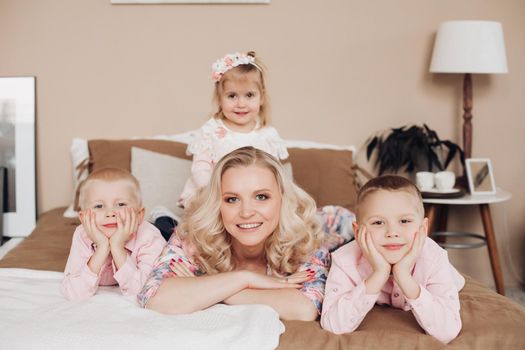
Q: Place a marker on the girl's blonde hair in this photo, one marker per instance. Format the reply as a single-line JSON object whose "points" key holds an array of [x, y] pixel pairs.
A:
{"points": [[241, 73], [293, 241]]}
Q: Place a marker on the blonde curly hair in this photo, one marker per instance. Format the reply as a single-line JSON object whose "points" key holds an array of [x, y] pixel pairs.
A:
{"points": [[293, 241]]}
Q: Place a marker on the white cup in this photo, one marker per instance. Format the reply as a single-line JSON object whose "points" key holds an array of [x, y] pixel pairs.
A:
{"points": [[445, 180], [425, 180]]}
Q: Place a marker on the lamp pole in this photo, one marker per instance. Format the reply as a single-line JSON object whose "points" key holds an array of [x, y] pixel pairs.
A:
{"points": [[467, 115]]}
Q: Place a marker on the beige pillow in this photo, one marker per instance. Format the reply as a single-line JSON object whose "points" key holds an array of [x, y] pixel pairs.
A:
{"points": [[326, 174], [325, 171], [161, 177]]}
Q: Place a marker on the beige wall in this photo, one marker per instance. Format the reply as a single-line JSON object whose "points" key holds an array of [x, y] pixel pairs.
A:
{"points": [[339, 71]]}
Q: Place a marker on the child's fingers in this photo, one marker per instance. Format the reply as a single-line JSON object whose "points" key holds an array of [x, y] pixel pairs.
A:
{"points": [[126, 220], [422, 234], [361, 239], [369, 245], [134, 220], [91, 221], [120, 221]]}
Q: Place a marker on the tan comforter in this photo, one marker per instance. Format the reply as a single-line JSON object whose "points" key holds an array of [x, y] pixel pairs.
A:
{"points": [[490, 321]]}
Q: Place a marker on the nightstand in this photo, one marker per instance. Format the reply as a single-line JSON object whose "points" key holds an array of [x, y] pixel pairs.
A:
{"points": [[437, 213]]}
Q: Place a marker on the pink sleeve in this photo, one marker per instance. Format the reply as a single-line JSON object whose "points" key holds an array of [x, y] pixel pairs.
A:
{"points": [[201, 169], [133, 274], [79, 282], [437, 307], [346, 302]]}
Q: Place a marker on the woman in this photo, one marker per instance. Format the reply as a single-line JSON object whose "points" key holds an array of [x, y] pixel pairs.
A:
{"points": [[251, 237]]}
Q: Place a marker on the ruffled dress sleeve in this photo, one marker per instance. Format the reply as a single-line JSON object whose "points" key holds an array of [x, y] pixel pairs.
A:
{"points": [[275, 144], [314, 289]]}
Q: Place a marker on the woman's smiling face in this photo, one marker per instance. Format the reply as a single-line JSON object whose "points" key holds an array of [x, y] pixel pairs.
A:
{"points": [[251, 205]]}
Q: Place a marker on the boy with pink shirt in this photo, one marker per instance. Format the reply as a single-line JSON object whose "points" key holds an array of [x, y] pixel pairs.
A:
{"points": [[392, 262], [113, 245]]}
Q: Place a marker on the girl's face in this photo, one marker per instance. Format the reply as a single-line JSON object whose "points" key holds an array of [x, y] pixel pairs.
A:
{"points": [[106, 199], [250, 207], [241, 101], [392, 218]]}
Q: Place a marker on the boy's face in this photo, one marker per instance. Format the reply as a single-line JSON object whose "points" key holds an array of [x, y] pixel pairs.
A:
{"points": [[106, 199], [392, 218]]}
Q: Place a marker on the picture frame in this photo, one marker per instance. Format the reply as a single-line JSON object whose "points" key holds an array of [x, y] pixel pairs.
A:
{"points": [[17, 154], [480, 176], [116, 2]]}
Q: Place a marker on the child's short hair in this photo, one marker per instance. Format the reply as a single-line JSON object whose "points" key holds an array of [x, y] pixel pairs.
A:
{"points": [[389, 183], [109, 175], [238, 73]]}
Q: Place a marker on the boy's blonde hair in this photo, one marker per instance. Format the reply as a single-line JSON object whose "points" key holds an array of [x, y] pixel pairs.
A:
{"points": [[241, 73], [389, 183], [294, 240], [109, 175]]}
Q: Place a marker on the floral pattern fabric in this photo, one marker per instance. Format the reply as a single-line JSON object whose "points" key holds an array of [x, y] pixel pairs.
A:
{"points": [[335, 225]]}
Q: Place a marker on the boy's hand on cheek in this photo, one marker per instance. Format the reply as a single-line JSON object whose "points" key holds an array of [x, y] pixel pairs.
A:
{"points": [[381, 268], [87, 218], [374, 258], [127, 224], [405, 265], [403, 268]]}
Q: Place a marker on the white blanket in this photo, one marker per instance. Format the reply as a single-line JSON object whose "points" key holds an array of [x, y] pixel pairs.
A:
{"points": [[34, 315]]}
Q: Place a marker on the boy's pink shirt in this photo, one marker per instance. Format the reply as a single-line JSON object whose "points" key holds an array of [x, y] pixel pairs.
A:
{"points": [[80, 282], [436, 309]]}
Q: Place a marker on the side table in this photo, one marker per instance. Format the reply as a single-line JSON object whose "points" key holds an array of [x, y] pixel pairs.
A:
{"points": [[437, 213]]}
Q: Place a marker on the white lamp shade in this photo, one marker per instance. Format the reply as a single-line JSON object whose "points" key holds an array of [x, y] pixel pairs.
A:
{"points": [[469, 47]]}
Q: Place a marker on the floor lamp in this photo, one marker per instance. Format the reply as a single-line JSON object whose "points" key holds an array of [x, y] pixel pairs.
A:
{"points": [[469, 47]]}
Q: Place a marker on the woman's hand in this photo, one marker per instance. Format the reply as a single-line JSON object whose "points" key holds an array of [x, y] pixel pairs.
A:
{"points": [[258, 281], [87, 218], [180, 269], [254, 280]]}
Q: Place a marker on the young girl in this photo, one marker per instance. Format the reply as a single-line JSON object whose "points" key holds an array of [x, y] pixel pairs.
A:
{"points": [[112, 245], [241, 119], [251, 237], [392, 262]]}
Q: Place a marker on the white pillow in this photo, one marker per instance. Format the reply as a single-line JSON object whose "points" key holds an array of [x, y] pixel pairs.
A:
{"points": [[161, 177], [80, 159], [79, 152]]}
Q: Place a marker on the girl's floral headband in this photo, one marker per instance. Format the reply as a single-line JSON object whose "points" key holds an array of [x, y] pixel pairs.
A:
{"points": [[222, 65]]}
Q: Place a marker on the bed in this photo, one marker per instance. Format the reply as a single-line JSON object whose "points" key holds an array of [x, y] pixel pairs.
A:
{"points": [[490, 321]]}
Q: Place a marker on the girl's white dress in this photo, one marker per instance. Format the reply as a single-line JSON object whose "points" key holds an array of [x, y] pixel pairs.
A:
{"points": [[214, 140]]}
